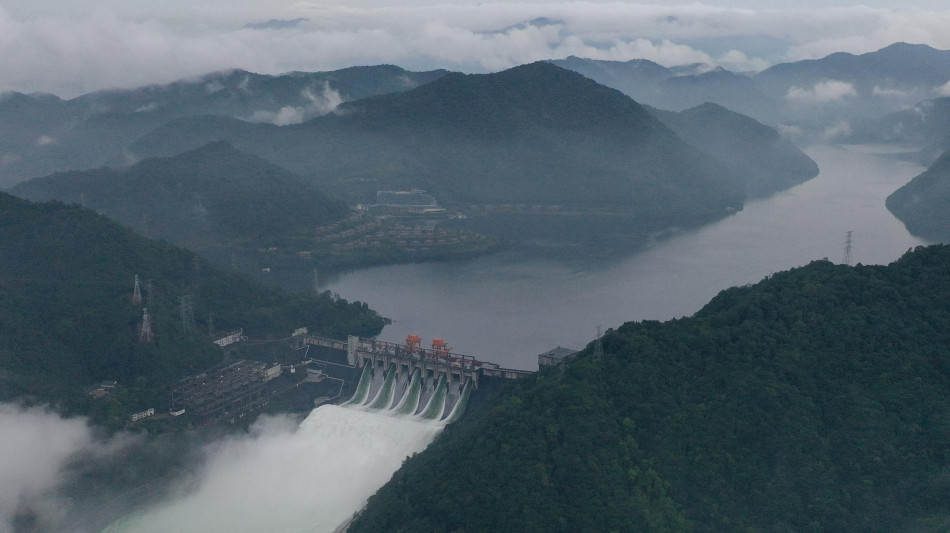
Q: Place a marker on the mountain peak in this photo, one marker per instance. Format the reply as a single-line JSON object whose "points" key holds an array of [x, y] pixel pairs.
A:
{"points": [[526, 96], [907, 47]]}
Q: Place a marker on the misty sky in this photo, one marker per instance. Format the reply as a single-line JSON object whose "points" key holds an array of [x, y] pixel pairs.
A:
{"points": [[68, 47]]}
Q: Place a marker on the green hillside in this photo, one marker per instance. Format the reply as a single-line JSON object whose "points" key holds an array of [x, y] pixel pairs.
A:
{"points": [[534, 135], [816, 400], [211, 197], [67, 319], [752, 151], [923, 205], [96, 129]]}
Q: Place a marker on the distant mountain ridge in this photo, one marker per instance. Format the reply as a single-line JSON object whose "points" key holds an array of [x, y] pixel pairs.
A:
{"points": [[534, 134], [898, 66], [674, 89], [42, 134], [862, 85]]}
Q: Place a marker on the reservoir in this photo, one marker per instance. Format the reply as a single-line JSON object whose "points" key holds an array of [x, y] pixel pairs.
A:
{"points": [[509, 307]]}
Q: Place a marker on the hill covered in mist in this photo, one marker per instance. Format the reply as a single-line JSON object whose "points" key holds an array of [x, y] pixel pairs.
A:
{"points": [[818, 99], [67, 319], [814, 400], [532, 135], [41, 134], [764, 160]]}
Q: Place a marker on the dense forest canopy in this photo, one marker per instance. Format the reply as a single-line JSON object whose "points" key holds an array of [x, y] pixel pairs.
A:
{"points": [[208, 198], [815, 400], [923, 205], [67, 319]]}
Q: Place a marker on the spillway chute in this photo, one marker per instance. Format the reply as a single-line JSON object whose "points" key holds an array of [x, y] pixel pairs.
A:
{"points": [[362, 388]]}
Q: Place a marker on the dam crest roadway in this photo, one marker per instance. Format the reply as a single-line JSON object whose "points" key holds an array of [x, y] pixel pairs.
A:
{"points": [[411, 356]]}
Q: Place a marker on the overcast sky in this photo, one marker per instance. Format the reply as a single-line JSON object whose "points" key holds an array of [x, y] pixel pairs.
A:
{"points": [[68, 47]]}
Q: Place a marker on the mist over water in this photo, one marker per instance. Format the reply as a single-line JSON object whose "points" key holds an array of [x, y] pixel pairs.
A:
{"points": [[509, 307], [310, 478]]}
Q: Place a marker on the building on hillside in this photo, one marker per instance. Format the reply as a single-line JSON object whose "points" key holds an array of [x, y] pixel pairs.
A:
{"points": [[555, 356], [231, 338], [272, 372], [143, 414]]}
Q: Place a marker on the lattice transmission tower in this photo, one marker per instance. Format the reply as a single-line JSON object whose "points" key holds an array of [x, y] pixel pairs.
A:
{"points": [[137, 292], [145, 330], [848, 246]]}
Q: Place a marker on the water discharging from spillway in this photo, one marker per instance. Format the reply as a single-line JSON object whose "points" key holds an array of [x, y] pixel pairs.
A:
{"points": [[311, 477]]}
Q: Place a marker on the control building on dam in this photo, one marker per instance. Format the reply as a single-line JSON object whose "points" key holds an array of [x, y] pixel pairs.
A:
{"points": [[411, 356]]}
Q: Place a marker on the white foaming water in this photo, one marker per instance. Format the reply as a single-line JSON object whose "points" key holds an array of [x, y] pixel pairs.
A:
{"points": [[306, 479]]}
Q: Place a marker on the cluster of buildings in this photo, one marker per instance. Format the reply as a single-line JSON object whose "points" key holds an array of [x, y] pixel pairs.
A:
{"points": [[340, 238], [224, 392]]}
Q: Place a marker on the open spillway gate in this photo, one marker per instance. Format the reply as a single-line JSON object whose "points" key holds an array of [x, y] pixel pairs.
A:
{"points": [[401, 394], [411, 356]]}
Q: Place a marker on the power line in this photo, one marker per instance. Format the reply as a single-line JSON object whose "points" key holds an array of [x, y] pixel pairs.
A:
{"points": [[149, 293], [598, 346], [848, 245], [187, 313]]}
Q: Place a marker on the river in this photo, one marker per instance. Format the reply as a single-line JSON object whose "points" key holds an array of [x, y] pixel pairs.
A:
{"points": [[509, 307]]}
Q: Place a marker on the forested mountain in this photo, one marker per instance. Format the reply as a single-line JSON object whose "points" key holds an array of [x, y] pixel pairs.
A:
{"points": [[676, 88], [900, 66], [925, 125], [211, 199], [810, 94], [42, 134], [815, 400], [754, 152], [532, 135], [923, 205], [67, 319]]}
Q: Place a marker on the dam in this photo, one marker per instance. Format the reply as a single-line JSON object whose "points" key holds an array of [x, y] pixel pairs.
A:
{"points": [[427, 382]]}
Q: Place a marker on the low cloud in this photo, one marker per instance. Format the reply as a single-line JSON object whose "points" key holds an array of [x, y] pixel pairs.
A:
{"points": [[790, 131], [318, 103], [737, 61], [35, 447], [121, 45], [893, 93], [823, 92], [943, 90], [836, 132]]}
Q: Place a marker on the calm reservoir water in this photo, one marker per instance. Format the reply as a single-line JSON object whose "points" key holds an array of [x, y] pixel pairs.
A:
{"points": [[509, 307]]}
